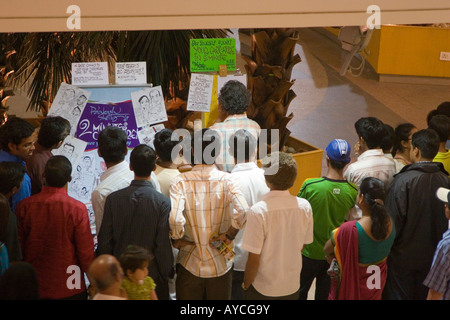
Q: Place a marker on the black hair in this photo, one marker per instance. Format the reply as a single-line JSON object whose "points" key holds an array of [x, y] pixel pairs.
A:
{"points": [[234, 97], [134, 257], [441, 124], [142, 160], [442, 108], [53, 130], [402, 133], [337, 164], [58, 170], [372, 130], [164, 143], [374, 195], [4, 217], [242, 145], [19, 282], [388, 140], [427, 141], [112, 144], [209, 142], [142, 97], [11, 175], [14, 131]]}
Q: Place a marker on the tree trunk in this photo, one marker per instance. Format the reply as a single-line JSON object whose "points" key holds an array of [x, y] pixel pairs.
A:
{"points": [[269, 72]]}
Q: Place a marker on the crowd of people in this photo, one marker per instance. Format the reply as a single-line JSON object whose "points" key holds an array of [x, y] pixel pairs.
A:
{"points": [[374, 227]]}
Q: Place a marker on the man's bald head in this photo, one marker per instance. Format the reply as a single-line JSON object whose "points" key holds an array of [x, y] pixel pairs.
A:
{"points": [[105, 272]]}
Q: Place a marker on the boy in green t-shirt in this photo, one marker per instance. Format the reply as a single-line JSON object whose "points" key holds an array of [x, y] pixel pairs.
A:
{"points": [[331, 198]]}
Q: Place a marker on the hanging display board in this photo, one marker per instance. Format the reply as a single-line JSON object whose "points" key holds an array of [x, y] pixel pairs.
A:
{"points": [[110, 105]]}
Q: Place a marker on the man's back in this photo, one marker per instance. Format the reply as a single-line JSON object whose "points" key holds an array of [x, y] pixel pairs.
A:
{"points": [[418, 216], [331, 201], [35, 167], [226, 129], [253, 186], [54, 233], [138, 214], [277, 228], [200, 209], [372, 163]]}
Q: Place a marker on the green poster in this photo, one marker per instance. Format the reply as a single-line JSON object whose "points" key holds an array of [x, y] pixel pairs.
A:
{"points": [[208, 54]]}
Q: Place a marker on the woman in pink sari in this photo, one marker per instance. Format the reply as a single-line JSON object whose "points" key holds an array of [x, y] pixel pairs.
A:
{"points": [[360, 248]]}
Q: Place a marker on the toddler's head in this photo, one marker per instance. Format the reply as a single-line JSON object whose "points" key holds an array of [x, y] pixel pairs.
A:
{"points": [[134, 262]]}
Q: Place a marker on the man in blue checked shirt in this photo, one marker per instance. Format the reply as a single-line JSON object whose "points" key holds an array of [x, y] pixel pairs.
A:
{"points": [[438, 279]]}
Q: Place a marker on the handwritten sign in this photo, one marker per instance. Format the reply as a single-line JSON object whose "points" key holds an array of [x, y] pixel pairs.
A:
{"points": [[207, 54], [90, 73], [97, 116], [131, 72], [200, 92]]}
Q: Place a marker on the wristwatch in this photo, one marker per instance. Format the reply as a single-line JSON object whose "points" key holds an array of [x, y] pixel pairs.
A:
{"points": [[243, 286]]}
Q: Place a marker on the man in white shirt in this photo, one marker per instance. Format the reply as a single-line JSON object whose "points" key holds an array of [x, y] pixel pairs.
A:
{"points": [[253, 186], [277, 229], [371, 161], [112, 147]]}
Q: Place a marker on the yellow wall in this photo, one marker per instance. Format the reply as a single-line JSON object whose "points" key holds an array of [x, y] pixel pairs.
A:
{"points": [[409, 51]]}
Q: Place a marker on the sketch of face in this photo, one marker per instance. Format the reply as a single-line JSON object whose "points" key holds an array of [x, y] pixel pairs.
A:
{"points": [[69, 94], [87, 162], [155, 97], [76, 112], [145, 103], [67, 150], [81, 100]]}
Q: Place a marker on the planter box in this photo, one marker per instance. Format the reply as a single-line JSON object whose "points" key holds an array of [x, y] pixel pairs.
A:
{"points": [[309, 162]]}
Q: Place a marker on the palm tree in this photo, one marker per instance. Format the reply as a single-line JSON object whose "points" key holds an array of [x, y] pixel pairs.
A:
{"points": [[269, 70], [6, 70]]}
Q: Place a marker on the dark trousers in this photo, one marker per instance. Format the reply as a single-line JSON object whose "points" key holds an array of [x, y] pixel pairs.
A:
{"points": [[405, 285], [236, 288], [162, 288], [252, 294], [314, 269], [190, 287]]}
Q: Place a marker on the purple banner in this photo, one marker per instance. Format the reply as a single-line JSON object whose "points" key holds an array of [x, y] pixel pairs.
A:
{"points": [[97, 116]]}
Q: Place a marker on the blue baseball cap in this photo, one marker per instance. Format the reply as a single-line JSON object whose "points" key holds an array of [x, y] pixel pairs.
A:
{"points": [[338, 150]]}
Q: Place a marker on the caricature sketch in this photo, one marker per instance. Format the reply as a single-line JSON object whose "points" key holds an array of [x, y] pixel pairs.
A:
{"points": [[149, 106], [67, 150], [69, 103], [73, 149]]}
